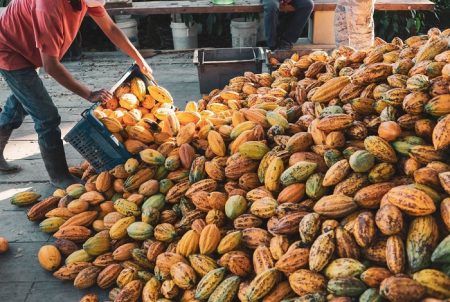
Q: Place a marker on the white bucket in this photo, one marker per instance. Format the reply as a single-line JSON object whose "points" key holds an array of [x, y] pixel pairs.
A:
{"points": [[244, 33], [184, 37], [130, 29]]}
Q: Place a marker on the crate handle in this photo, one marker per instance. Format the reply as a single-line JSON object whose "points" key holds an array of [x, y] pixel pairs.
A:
{"points": [[83, 114]]}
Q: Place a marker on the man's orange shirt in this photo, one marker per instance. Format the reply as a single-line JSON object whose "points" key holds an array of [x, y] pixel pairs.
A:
{"points": [[29, 27]]}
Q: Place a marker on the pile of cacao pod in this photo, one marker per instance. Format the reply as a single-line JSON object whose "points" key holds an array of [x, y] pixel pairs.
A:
{"points": [[327, 180], [132, 115]]}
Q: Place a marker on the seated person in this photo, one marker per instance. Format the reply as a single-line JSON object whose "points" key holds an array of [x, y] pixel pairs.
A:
{"points": [[295, 22]]}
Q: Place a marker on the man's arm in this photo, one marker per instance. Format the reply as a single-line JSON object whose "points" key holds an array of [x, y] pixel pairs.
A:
{"points": [[119, 39], [57, 71]]}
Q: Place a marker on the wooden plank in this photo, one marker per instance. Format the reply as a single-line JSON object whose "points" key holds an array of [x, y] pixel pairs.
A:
{"points": [[185, 7], [245, 6], [248, 6]]}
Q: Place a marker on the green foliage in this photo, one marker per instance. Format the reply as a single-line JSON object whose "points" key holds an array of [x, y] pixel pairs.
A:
{"points": [[389, 24], [402, 24]]}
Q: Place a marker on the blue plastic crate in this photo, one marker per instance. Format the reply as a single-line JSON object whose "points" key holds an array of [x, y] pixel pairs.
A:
{"points": [[94, 142]]}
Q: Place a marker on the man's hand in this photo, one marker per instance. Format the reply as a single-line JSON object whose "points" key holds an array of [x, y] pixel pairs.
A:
{"points": [[102, 95], [145, 69]]}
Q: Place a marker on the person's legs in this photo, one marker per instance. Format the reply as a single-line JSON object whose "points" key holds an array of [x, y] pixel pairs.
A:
{"points": [[35, 100], [341, 23], [283, 24], [298, 20], [271, 12], [361, 25], [11, 118]]}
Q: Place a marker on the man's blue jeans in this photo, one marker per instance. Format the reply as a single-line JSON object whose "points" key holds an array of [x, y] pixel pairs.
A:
{"points": [[294, 25], [29, 97]]}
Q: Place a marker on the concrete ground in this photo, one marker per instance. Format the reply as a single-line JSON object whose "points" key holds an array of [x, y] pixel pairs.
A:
{"points": [[21, 277]]}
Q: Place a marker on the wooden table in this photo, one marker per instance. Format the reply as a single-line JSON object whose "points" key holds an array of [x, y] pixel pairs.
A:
{"points": [[247, 6], [321, 29]]}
